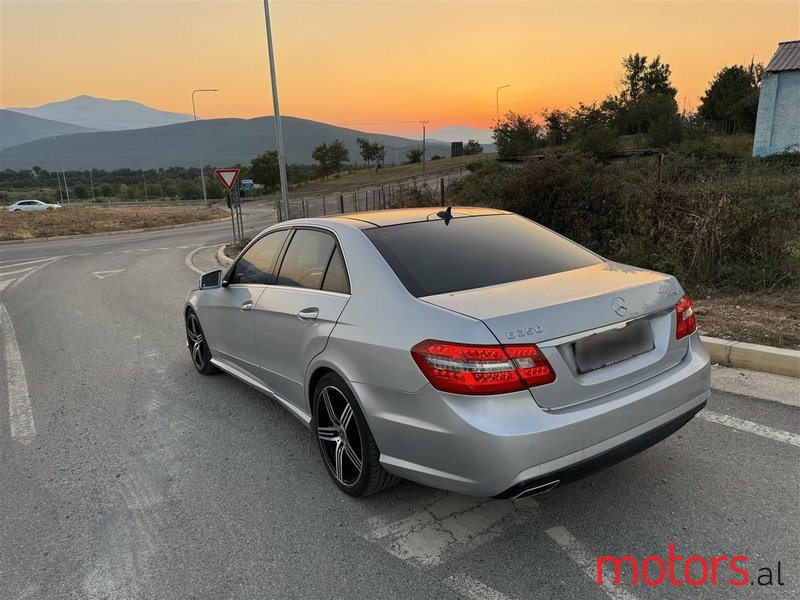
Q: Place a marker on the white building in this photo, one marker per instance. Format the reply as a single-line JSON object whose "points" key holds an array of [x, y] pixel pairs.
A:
{"points": [[778, 120]]}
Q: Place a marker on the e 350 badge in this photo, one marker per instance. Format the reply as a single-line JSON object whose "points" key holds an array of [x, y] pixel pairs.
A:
{"points": [[523, 332]]}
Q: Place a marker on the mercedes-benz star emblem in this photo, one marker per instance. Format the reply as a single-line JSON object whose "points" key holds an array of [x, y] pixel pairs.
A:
{"points": [[619, 306]]}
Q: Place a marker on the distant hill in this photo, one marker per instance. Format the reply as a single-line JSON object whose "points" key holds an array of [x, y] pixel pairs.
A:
{"points": [[107, 115], [224, 142], [16, 128]]}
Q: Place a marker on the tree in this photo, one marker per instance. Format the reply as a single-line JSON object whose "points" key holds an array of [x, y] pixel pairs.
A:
{"points": [[264, 170], [414, 155], [473, 147], [557, 124], [517, 135], [641, 81], [369, 151], [380, 154], [640, 78], [731, 100], [331, 156]]}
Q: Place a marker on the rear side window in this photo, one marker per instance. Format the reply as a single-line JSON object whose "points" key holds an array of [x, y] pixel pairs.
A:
{"points": [[336, 275], [307, 259], [257, 265], [473, 252]]}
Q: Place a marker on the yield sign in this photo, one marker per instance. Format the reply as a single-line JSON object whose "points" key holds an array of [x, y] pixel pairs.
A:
{"points": [[228, 177]]}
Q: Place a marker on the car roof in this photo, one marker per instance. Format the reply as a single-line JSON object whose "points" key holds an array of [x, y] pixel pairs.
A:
{"points": [[401, 216]]}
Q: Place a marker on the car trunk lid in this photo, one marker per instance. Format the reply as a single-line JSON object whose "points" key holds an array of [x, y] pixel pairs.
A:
{"points": [[602, 327]]}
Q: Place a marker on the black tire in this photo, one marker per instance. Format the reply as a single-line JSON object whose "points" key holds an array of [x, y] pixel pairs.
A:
{"points": [[344, 440], [198, 347]]}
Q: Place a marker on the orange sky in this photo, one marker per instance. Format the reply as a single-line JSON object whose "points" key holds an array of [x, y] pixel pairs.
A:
{"points": [[372, 62]]}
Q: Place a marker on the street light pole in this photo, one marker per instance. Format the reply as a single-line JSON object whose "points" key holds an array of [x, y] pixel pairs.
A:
{"points": [[497, 103], [277, 112], [424, 123], [199, 151]]}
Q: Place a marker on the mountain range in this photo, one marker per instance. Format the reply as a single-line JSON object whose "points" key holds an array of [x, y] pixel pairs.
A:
{"points": [[103, 114], [27, 140]]}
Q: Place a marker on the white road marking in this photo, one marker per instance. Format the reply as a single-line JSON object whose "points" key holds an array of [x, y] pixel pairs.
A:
{"points": [[19, 402], [16, 282], [768, 432], [18, 271], [6, 283], [473, 589], [162, 248], [17, 263], [183, 247], [143, 250], [587, 561], [104, 274], [449, 524]]}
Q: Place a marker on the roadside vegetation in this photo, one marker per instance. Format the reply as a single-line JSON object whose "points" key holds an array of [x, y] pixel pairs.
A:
{"points": [[694, 203], [97, 219]]}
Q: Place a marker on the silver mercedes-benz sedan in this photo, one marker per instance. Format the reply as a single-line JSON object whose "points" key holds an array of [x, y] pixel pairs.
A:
{"points": [[467, 349]]}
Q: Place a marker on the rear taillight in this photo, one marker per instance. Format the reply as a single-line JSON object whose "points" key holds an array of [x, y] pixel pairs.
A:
{"points": [[467, 369], [687, 322]]}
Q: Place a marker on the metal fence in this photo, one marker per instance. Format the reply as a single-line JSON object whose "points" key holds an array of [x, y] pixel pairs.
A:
{"points": [[375, 196]]}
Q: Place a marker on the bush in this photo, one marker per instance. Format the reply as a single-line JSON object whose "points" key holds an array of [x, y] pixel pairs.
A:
{"points": [[737, 230]]}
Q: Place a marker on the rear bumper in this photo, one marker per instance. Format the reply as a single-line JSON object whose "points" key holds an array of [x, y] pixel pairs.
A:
{"points": [[602, 460], [495, 445]]}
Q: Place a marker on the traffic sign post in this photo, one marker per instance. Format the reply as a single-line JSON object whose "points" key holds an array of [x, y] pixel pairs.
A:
{"points": [[228, 178]]}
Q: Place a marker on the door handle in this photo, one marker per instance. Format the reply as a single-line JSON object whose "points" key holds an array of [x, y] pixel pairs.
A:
{"points": [[308, 314], [247, 305]]}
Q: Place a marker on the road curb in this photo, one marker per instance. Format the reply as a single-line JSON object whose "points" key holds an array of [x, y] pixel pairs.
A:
{"points": [[222, 258], [107, 233], [756, 357]]}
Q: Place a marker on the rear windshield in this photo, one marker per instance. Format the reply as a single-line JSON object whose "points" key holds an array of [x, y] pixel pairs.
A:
{"points": [[433, 258]]}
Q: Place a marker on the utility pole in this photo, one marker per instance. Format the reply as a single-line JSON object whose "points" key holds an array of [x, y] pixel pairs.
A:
{"points": [[199, 151], [63, 172], [424, 123], [497, 103], [144, 184], [91, 184], [277, 112]]}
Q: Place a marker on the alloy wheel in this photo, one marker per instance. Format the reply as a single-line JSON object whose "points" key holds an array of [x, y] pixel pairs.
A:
{"points": [[339, 435], [194, 334]]}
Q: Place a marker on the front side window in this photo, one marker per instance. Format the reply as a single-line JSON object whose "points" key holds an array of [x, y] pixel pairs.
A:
{"points": [[257, 265], [307, 259]]}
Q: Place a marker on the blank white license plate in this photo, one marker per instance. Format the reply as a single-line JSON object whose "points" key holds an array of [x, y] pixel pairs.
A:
{"points": [[611, 347]]}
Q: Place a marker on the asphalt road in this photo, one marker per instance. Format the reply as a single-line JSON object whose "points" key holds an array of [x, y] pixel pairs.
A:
{"points": [[125, 474]]}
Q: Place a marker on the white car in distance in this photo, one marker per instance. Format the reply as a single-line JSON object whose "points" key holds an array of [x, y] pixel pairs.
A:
{"points": [[28, 205]]}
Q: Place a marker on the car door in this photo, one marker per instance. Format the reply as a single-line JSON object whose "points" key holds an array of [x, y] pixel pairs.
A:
{"points": [[227, 316], [294, 317]]}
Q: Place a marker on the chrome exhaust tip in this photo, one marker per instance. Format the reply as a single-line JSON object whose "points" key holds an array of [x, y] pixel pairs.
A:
{"points": [[537, 489]]}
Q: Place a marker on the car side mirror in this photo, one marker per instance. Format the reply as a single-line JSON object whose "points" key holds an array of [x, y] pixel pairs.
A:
{"points": [[211, 280]]}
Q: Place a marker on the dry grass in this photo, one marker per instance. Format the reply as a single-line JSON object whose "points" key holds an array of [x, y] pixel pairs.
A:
{"points": [[773, 320], [366, 177], [97, 219]]}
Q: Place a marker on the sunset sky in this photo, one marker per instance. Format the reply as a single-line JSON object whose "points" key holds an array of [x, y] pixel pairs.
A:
{"points": [[373, 65]]}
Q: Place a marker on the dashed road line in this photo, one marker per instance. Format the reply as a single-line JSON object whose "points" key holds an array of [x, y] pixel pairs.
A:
{"points": [[587, 562], [786, 437], [19, 401], [473, 589]]}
